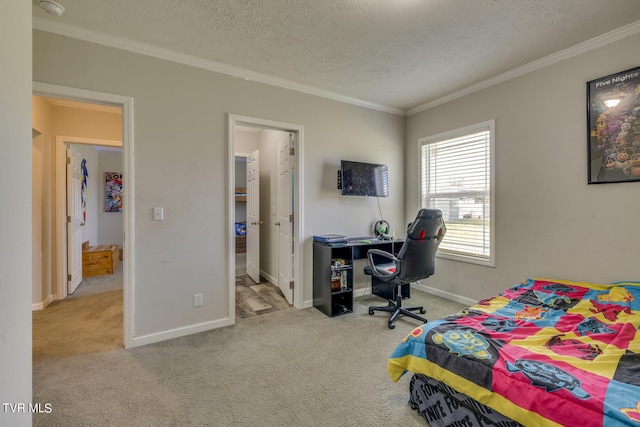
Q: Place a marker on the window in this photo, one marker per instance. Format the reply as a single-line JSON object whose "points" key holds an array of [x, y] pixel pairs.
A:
{"points": [[458, 179]]}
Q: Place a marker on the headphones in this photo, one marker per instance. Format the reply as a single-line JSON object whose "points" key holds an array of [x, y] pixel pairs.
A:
{"points": [[381, 228]]}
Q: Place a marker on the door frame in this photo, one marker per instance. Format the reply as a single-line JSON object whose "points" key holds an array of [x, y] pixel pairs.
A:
{"points": [[126, 103], [238, 120], [62, 247]]}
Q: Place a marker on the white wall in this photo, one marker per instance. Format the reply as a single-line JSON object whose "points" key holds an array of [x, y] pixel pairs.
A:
{"points": [[549, 222], [15, 196], [180, 164], [41, 256], [110, 224], [43, 265], [101, 228]]}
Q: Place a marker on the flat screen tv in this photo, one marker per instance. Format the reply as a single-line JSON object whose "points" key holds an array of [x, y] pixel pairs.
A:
{"points": [[364, 179]]}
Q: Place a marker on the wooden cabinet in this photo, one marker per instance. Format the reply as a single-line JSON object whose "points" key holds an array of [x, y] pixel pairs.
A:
{"points": [[99, 260]]}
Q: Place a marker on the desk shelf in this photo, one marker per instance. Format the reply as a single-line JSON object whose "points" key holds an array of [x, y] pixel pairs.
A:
{"points": [[332, 279], [333, 273]]}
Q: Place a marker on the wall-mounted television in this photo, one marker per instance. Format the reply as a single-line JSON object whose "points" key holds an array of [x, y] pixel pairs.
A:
{"points": [[364, 179]]}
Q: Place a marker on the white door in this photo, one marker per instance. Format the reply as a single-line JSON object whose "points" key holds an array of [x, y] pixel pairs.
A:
{"points": [[253, 216], [285, 216], [75, 219]]}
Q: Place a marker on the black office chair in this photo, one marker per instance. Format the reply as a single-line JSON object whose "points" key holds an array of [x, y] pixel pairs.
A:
{"points": [[415, 261]]}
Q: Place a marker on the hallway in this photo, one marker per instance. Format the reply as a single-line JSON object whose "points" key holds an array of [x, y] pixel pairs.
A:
{"points": [[254, 299]]}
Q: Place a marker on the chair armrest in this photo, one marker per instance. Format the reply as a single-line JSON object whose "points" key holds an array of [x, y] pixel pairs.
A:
{"points": [[384, 275]]}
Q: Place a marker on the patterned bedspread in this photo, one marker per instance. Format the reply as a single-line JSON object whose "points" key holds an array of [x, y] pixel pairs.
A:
{"points": [[545, 352]]}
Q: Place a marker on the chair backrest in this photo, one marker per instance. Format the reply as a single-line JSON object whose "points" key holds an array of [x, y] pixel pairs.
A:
{"points": [[417, 254]]}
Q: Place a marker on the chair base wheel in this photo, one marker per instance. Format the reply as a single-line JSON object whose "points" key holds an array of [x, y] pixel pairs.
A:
{"points": [[396, 309]]}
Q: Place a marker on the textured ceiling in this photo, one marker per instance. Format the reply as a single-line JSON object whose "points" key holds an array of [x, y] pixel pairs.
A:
{"points": [[398, 54]]}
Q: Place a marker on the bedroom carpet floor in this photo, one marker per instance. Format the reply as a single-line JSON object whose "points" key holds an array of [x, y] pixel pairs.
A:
{"points": [[285, 368], [87, 321], [282, 367]]}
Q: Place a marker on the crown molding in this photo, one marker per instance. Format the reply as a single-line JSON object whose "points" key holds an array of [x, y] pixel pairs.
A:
{"points": [[194, 61], [169, 55], [576, 50]]}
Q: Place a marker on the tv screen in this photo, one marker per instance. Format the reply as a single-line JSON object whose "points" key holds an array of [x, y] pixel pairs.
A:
{"points": [[364, 179]]}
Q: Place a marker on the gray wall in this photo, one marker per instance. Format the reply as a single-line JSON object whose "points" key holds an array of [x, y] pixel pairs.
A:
{"points": [[549, 222], [15, 196], [180, 164]]}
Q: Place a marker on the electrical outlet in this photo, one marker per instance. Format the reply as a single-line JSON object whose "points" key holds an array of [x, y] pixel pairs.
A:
{"points": [[197, 300]]}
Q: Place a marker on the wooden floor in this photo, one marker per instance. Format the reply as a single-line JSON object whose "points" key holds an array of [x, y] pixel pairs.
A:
{"points": [[254, 299]]}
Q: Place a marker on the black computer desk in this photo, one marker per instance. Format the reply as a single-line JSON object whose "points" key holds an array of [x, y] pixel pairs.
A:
{"points": [[334, 301]]}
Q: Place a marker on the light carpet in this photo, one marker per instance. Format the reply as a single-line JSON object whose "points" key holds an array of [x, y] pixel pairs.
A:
{"points": [[287, 368]]}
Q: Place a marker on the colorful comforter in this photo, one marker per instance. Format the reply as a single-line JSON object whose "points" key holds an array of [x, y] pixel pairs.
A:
{"points": [[545, 352]]}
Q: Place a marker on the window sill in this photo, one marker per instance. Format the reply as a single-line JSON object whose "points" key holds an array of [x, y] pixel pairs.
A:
{"points": [[467, 259]]}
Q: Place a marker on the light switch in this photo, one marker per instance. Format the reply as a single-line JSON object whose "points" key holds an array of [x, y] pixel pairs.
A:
{"points": [[158, 214]]}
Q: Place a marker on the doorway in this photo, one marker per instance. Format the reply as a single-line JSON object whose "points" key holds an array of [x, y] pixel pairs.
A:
{"points": [[59, 241], [268, 223], [257, 228]]}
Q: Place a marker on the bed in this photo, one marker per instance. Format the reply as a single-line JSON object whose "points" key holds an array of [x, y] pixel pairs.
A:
{"points": [[542, 353]]}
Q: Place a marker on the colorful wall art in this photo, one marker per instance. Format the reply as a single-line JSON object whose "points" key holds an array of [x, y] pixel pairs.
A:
{"points": [[113, 192]]}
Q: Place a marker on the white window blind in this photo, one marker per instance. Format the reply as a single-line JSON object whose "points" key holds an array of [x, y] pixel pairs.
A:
{"points": [[457, 179]]}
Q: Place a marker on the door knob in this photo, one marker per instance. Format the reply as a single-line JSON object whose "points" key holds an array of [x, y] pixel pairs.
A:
{"points": [[277, 223], [255, 223]]}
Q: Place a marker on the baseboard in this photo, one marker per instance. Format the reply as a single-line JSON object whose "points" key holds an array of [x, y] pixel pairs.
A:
{"points": [[443, 294], [180, 332], [432, 291], [362, 291], [269, 278], [43, 304]]}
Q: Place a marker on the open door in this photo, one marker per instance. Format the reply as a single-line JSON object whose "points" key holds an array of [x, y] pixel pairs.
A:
{"points": [[75, 218], [253, 216], [285, 216]]}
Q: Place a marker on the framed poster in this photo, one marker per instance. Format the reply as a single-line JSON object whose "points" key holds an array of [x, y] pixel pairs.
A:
{"points": [[613, 127], [113, 192]]}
